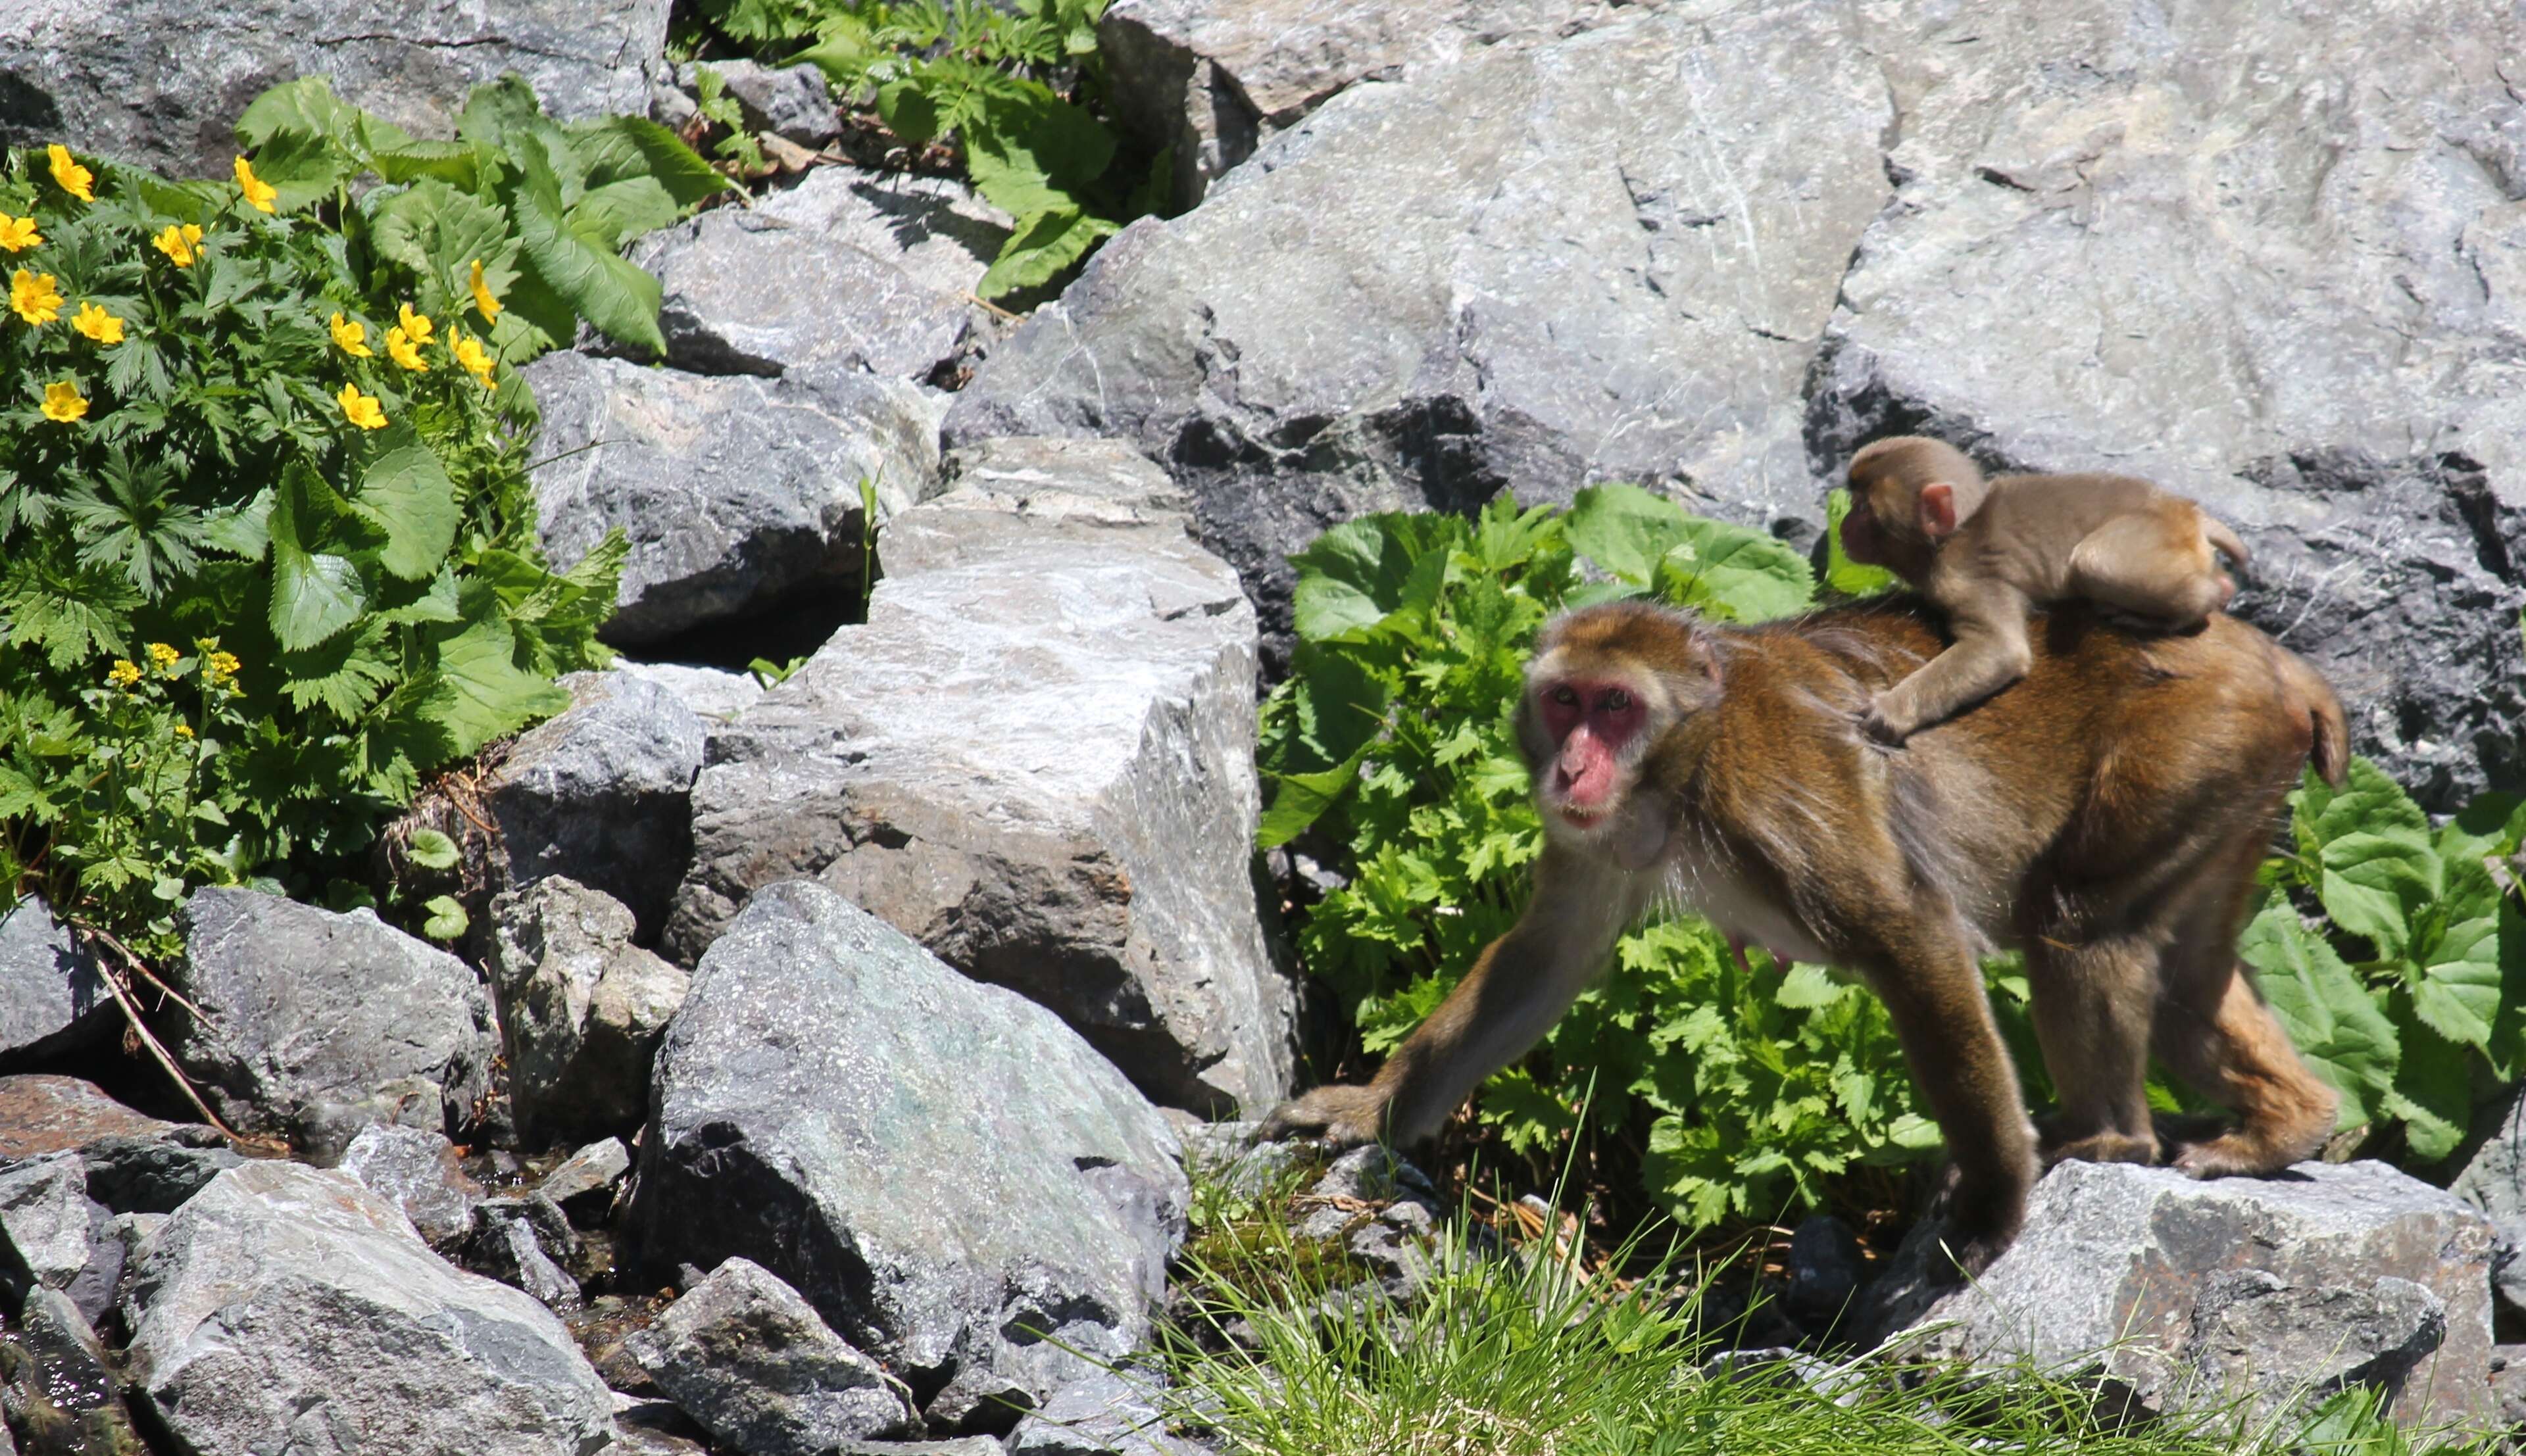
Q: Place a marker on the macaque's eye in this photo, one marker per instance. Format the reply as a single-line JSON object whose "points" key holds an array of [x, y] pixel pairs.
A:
{"points": [[1616, 700], [1565, 698]]}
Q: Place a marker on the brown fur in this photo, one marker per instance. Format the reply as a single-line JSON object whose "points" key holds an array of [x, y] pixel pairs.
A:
{"points": [[2107, 815]]}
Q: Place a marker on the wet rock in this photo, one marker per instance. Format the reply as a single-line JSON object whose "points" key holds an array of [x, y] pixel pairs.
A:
{"points": [[416, 1169], [151, 1175], [525, 1244], [52, 1000], [1106, 1414], [45, 1114], [163, 83], [748, 1359], [288, 1308], [583, 1185], [792, 102], [582, 1008], [62, 1385], [955, 1181], [602, 794], [736, 491], [2265, 1290], [317, 1021], [1026, 760]]}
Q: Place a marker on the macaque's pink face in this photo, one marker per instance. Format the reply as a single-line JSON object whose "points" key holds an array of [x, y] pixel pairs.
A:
{"points": [[1593, 723]]}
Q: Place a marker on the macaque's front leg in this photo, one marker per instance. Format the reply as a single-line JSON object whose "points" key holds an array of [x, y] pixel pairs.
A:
{"points": [[1990, 652]]}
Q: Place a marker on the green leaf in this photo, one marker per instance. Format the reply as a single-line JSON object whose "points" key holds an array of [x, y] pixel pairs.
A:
{"points": [[481, 693], [2337, 1028], [1729, 571], [2433, 1092], [448, 917], [1841, 573], [624, 147], [306, 107], [584, 271], [620, 211], [1041, 247], [2458, 987], [405, 495], [1354, 576], [315, 594], [431, 850], [302, 169], [437, 231], [2490, 826], [2374, 884], [1038, 153], [242, 529], [1301, 799]]}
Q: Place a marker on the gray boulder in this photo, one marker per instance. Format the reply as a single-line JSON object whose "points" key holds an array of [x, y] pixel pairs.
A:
{"points": [[42, 1113], [52, 1237], [2493, 1180], [734, 491], [749, 1360], [52, 1000], [937, 229], [581, 1008], [160, 83], [2267, 1291], [312, 1019], [414, 1168], [957, 1184], [792, 102], [1212, 81], [2290, 289], [289, 1309], [1037, 759], [602, 794], [154, 1173], [716, 693], [1110, 1413], [750, 294], [525, 1244]]}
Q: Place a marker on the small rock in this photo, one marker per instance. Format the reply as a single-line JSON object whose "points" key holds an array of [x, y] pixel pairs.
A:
{"points": [[286, 1308], [150, 1175], [1825, 1268], [1225, 1153], [748, 1359], [52, 1000], [53, 1229], [314, 1021], [937, 229], [585, 1181], [524, 1242], [1104, 1414], [717, 694], [416, 1169], [2493, 1180], [2508, 1386], [43, 1114], [792, 102], [1372, 1174], [582, 1007], [600, 793]]}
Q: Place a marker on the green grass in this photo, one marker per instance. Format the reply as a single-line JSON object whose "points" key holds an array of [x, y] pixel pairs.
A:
{"points": [[1515, 1354]]}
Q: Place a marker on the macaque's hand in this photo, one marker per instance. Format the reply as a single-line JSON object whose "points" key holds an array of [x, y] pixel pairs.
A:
{"points": [[1345, 1117], [1882, 720]]}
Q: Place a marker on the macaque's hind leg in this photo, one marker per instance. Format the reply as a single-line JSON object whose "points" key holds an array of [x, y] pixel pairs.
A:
{"points": [[1990, 652], [2213, 1030], [2154, 565], [2092, 1015]]}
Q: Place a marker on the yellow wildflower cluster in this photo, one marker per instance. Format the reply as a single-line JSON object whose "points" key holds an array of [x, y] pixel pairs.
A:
{"points": [[164, 657], [223, 665], [124, 673], [181, 245]]}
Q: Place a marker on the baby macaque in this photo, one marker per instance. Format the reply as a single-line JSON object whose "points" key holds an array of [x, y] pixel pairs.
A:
{"points": [[1989, 552]]}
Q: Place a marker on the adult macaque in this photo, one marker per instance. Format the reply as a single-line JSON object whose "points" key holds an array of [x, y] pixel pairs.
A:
{"points": [[1988, 552], [2107, 815]]}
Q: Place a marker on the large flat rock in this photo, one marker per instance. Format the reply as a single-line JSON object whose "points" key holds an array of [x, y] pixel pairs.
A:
{"points": [[1037, 759], [957, 1184], [2274, 259], [160, 83], [52, 999]]}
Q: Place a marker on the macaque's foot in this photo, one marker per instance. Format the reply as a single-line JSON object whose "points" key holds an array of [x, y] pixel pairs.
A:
{"points": [[1879, 726], [1345, 1117], [2102, 1147]]}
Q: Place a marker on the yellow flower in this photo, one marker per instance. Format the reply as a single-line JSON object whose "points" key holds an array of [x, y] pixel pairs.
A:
{"points": [[224, 665], [359, 409], [163, 656], [352, 336], [184, 730], [63, 402], [17, 235], [473, 358], [122, 674], [415, 324], [74, 179], [399, 349], [35, 297], [257, 192], [484, 303], [181, 245], [93, 320]]}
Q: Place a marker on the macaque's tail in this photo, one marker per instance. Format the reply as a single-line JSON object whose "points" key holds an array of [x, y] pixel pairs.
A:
{"points": [[2225, 540], [2330, 748]]}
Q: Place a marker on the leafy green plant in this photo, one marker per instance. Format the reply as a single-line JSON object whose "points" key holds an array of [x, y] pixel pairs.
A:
{"points": [[2395, 953], [217, 435], [519, 207], [982, 77], [720, 109], [1391, 743]]}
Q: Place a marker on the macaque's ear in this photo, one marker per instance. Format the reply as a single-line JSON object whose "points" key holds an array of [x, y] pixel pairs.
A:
{"points": [[1938, 510]]}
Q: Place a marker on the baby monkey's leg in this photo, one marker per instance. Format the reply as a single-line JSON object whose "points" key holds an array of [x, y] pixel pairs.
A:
{"points": [[1990, 652], [2154, 564]]}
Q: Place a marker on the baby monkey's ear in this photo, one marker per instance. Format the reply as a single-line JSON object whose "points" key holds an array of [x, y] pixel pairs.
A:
{"points": [[1937, 508]]}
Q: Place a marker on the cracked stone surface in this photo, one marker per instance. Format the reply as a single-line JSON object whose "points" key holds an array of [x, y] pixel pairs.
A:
{"points": [[2275, 260], [160, 83]]}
